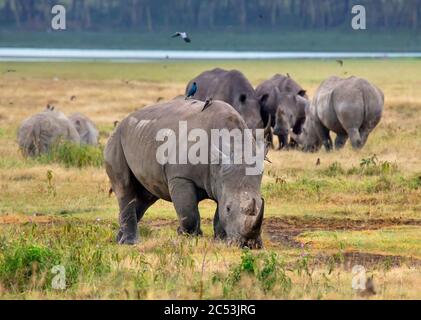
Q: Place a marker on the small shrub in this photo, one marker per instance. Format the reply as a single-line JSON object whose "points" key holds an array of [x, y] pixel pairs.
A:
{"points": [[73, 155], [265, 268], [272, 273], [21, 264], [372, 166], [334, 170]]}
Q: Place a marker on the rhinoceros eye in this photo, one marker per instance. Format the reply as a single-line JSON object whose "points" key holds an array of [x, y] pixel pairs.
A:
{"points": [[228, 209]]}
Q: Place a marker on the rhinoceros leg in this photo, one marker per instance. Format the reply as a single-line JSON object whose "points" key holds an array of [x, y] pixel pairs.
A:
{"points": [[128, 233], [184, 196], [132, 211], [355, 137], [219, 231], [327, 140], [340, 141]]}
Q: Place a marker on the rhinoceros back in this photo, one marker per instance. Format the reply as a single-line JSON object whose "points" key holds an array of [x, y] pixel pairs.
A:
{"points": [[136, 136]]}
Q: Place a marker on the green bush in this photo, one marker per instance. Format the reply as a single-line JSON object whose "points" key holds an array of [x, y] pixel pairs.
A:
{"points": [[73, 155], [372, 166], [24, 265], [266, 268]]}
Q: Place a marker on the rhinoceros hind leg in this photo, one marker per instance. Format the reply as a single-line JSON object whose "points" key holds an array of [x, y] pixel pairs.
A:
{"points": [[133, 205], [355, 137], [128, 233], [185, 199], [340, 141]]}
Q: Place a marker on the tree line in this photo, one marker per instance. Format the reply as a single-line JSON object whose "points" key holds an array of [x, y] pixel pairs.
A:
{"points": [[236, 15]]}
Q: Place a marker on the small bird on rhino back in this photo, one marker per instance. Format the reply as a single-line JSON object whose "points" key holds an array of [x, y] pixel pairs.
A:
{"points": [[192, 91]]}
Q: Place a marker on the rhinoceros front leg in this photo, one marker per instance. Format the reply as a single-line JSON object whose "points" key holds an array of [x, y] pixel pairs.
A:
{"points": [[184, 197], [219, 231]]}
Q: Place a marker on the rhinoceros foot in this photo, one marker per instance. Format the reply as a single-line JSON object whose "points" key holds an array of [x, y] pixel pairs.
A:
{"points": [[193, 233], [123, 239], [252, 243]]}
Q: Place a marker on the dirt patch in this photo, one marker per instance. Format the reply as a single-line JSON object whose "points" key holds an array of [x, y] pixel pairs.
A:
{"points": [[285, 230], [23, 219]]}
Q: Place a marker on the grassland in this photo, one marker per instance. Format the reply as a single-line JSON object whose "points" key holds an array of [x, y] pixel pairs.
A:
{"points": [[355, 208]]}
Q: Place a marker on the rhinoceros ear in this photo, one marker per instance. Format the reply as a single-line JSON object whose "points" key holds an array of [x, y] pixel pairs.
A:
{"points": [[264, 98], [243, 98]]}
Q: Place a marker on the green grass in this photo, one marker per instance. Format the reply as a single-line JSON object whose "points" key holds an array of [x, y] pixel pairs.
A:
{"points": [[397, 240], [72, 155]]}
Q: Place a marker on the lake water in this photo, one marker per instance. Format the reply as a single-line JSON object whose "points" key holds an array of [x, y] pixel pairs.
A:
{"points": [[27, 54]]}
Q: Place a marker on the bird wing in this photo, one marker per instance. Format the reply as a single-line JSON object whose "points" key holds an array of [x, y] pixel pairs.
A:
{"points": [[176, 35], [187, 40]]}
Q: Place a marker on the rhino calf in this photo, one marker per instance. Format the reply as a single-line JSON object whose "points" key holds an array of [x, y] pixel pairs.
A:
{"points": [[38, 133], [86, 128], [350, 107], [138, 179]]}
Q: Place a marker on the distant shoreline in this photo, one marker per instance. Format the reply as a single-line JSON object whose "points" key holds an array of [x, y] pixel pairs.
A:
{"points": [[30, 54]]}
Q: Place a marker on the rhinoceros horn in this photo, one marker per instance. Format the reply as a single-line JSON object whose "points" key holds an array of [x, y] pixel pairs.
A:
{"points": [[253, 221]]}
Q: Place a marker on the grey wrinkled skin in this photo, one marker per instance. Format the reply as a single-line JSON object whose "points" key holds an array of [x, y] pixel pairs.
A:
{"points": [[233, 88], [290, 116], [277, 91], [350, 107], [139, 180], [86, 128], [38, 133]]}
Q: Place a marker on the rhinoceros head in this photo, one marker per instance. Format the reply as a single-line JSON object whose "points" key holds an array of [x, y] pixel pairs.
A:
{"points": [[308, 139], [283, 125], [240, 218]]}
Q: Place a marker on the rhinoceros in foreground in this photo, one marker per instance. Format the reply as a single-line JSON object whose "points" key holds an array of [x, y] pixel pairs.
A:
{"points": [[86, 128], [350, 107], [233, 88], [283, 91], [38, 133], [139, 179]]}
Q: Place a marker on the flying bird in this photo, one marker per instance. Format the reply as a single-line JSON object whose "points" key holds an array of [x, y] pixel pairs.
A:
{"points": [[192, 91], [208, 102], [183, 35]]}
